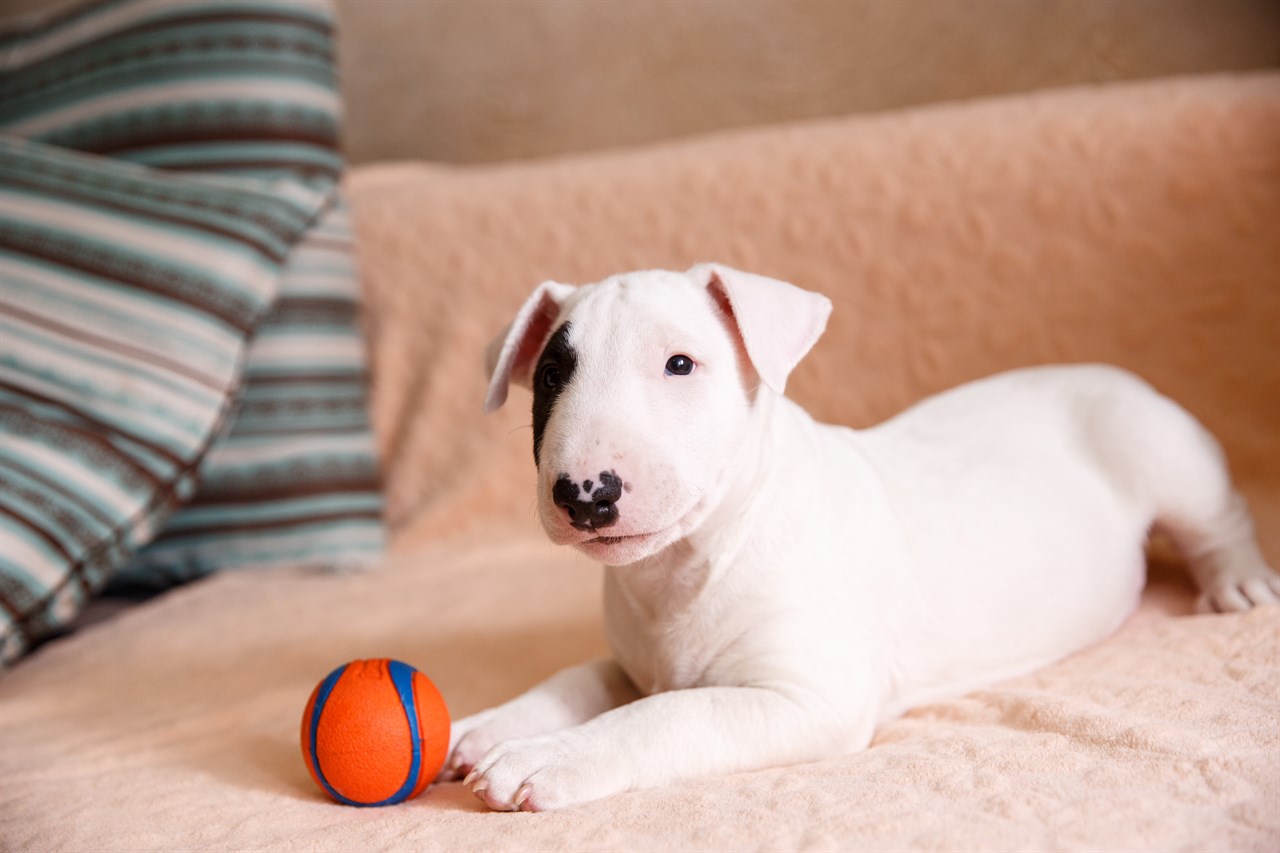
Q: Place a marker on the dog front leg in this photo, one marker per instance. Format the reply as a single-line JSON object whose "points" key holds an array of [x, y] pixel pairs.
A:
{"points": [[568, 698], [660, 739]]}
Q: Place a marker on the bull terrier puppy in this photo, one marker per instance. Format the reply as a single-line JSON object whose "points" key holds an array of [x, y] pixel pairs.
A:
{"points": [[775, 587]]}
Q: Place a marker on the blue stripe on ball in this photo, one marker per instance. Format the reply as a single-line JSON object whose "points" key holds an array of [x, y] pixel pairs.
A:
{"points": [[326, 687], [402, 678]]}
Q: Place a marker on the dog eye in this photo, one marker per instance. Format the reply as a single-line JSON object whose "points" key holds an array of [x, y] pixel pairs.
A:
{"points": [[549, 376], [679, 365]]}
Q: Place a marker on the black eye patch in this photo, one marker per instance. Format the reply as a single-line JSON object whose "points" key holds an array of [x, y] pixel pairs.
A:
{"points": [[551, 376]]}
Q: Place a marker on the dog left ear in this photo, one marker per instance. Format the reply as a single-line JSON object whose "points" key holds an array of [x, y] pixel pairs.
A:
{"points": [[779, 322], [510, 356]]}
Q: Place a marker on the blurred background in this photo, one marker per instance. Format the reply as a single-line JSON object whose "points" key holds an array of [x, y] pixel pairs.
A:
{"points": [[475, 81], [469, 81]]}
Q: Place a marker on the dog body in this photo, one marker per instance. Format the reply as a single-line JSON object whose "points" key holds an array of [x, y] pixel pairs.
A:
{"points": [[964, 541], [776, 587]]}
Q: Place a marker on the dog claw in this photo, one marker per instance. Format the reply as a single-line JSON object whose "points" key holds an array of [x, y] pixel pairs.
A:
{"points": [[522, 799]]}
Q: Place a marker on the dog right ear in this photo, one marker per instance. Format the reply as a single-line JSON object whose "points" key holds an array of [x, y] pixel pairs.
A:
{"points": [[510, 356], [779, 322]]}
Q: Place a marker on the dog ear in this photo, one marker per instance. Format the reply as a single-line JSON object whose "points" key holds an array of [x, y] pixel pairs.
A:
{"points": [[510, 356], [779, 322]]}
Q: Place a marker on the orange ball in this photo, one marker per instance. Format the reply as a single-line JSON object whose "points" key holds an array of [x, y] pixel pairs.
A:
{"points": [[375, 732]]}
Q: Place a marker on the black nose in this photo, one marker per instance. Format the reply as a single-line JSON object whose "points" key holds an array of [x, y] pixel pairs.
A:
{"points": [[588, 509]]}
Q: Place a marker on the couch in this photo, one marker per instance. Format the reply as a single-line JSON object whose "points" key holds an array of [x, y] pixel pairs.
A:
{"points": [[1136, 224]]}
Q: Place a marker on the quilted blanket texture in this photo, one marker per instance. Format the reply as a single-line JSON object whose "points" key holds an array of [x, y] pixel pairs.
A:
{"points": [[1136, 224]]}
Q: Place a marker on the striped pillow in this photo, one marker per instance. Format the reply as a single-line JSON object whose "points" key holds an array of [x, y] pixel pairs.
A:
{"points": [[246, 86], [126, 299], [295, 480]]}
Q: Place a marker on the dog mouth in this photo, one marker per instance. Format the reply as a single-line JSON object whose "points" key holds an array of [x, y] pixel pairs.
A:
{"points": [[618, 550], [614, 540]]}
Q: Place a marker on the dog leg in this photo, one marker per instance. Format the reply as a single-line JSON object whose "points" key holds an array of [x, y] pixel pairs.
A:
{"points": [[668, 736], [1206, 517], [568, 698], [1224, 560], [1170, 458]]}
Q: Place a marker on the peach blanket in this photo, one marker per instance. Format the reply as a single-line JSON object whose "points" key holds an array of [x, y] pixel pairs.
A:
{"points": [[1137, 224]]}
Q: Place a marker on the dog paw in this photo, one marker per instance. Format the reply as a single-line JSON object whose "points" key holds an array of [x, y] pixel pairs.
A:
{"points": [[1236, 596], [539, 774], [471, 738]]}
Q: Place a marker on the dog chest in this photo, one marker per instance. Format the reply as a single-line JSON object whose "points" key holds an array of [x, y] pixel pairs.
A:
{"points": [[673, 636]]}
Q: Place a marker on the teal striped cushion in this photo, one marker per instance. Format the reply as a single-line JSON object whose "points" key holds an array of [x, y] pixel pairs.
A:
{"points": [[126, 300], [245, 88], [223, 85], [295, 480]]}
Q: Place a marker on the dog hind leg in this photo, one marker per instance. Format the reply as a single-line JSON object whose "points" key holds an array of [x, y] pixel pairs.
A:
{"points": [[1186, 480], [1223, 557]]}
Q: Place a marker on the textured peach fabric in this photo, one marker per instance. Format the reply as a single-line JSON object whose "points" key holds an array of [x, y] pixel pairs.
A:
{"points": [[1138, 225]]}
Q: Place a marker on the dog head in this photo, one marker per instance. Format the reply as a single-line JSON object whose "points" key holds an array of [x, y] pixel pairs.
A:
{"points": [[643, 390]]}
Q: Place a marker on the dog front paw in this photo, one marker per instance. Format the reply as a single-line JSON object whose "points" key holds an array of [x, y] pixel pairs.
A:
{"points": [[541, 774], [473, 736]]}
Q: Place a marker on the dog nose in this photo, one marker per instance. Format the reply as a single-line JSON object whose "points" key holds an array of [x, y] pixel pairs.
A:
{"points": [[591, 505]]}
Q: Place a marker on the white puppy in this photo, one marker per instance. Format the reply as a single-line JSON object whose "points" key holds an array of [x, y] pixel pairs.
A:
{"points": [[776, 587]]}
